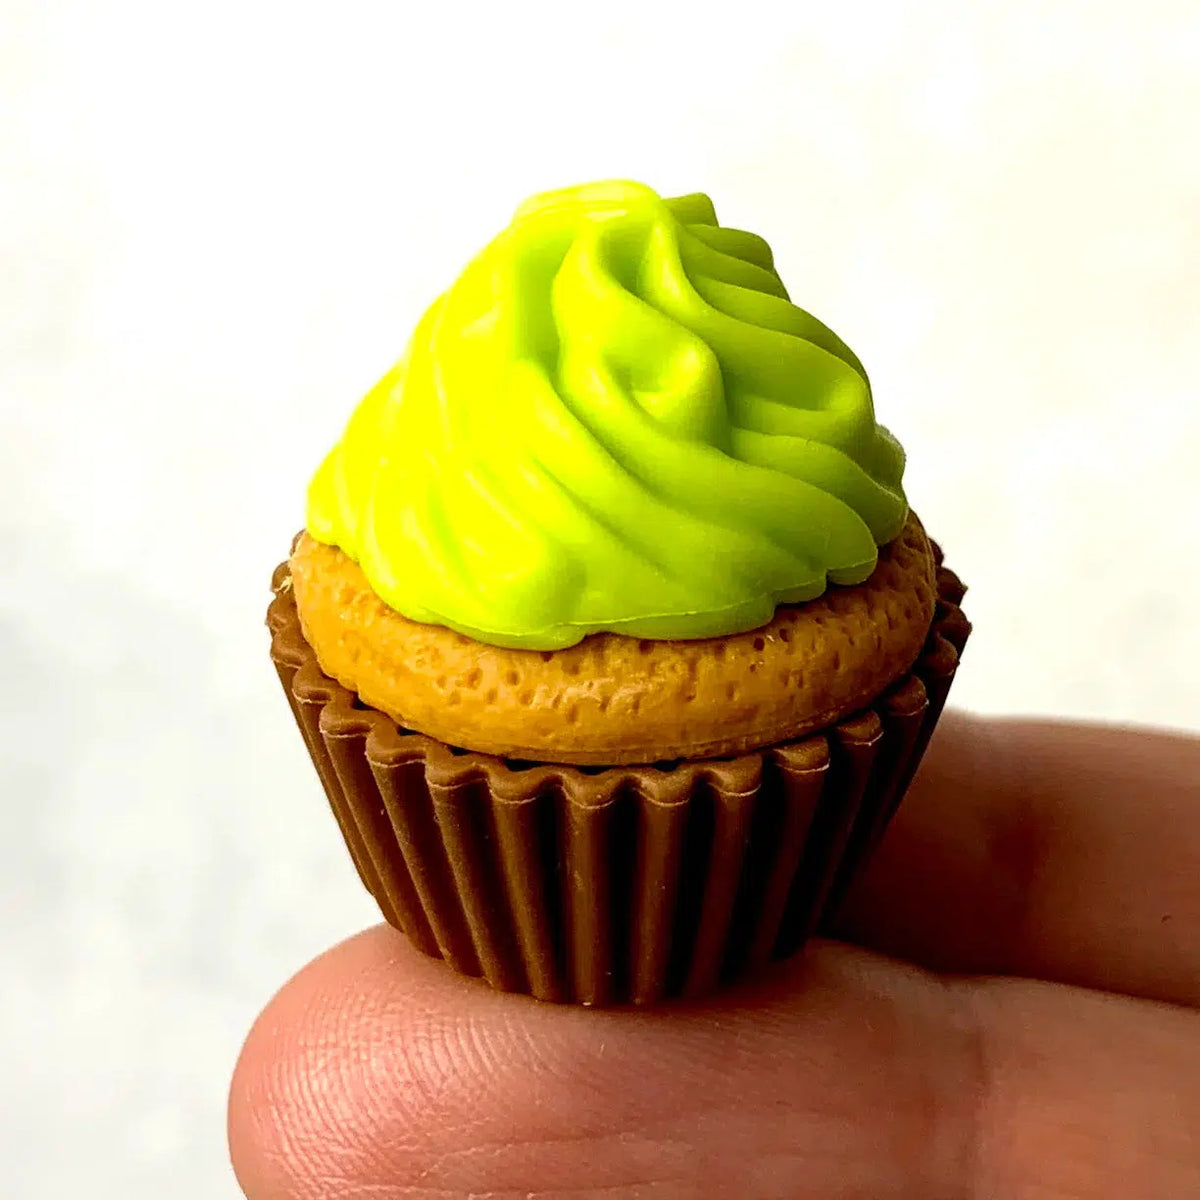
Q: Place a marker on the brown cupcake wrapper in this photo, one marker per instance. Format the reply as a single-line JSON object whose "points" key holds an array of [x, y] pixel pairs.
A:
{"points": [[626, 884]]}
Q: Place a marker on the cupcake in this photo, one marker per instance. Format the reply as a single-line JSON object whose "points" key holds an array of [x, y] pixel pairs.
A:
{"points": [[610, 634]]}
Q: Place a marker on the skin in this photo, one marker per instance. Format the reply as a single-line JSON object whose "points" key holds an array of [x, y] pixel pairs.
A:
{"points": [[1012, 1014]]}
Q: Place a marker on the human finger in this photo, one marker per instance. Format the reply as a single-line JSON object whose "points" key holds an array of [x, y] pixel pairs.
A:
{"points": [[377, 1072], [1045, 849]]}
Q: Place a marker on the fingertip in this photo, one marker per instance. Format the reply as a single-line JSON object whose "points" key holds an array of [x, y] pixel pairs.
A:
{"points": [[359, 1064], [378, 1071], [292, 1088]]}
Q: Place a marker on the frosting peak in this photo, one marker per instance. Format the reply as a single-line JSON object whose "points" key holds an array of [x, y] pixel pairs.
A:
{"points": [[614, 420]]}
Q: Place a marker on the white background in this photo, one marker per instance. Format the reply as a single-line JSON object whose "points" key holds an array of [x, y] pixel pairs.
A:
{"points": [[218, 222]]}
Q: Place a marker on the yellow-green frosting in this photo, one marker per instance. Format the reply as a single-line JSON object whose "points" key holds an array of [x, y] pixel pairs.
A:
{"points": [[614, 420]]}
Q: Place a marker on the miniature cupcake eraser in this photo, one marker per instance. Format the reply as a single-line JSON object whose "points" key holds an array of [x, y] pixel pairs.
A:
{"points": [[617, 539]]}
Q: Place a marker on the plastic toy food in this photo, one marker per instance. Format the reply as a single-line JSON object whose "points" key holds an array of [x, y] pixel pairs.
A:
{"points": [[611, 635]]}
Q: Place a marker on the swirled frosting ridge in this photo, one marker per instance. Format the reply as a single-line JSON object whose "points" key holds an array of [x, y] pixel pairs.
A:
{"points": [[614, 420]]}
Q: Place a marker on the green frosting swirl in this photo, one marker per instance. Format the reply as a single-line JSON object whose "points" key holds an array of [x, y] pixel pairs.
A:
{"points": [[614, 420]]}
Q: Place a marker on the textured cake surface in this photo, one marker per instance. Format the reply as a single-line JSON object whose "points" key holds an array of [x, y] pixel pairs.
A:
{"points": [[612, 699]]}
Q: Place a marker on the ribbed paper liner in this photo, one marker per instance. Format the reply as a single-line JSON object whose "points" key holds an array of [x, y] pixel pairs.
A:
{"points": [[626, 884]]}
